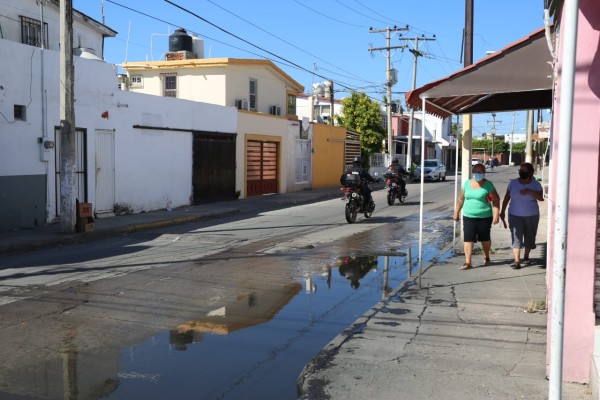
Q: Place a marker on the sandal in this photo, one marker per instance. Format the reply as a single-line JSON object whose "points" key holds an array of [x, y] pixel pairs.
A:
{"points": [[487, 262], [515, 265], [526, 261], [466, 266]]}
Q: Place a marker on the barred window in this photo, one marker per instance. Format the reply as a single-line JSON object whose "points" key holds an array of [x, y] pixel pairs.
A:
{"points": [[169, 84], [31, 32], [253, 93], [136, 81], [291, 104]]}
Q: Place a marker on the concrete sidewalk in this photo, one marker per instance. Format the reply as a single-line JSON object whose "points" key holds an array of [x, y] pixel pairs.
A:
{"points": [[474, 334], [50, 235]]}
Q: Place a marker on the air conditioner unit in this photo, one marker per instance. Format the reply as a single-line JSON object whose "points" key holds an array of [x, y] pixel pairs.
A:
{"points": [[275, 110], [242, 104]]}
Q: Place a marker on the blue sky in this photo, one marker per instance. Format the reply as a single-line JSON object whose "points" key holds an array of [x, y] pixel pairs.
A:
{"points": [[313, 40]]}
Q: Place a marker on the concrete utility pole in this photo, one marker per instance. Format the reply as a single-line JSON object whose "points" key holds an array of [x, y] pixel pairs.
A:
{"points": [[493, 134], [390, 81], [512, 133], [67, 120], [467, 118], [411, 117], [528, 155]]}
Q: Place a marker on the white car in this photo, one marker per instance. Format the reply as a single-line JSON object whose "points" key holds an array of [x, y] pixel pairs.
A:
{"points": [[434, 170], [475, 161]]}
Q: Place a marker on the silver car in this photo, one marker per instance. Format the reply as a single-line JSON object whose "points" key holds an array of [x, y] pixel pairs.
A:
{"points": [[434, 170]]}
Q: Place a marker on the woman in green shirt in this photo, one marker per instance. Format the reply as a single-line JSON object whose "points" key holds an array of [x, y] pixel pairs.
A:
{"points": [[480, 204]]}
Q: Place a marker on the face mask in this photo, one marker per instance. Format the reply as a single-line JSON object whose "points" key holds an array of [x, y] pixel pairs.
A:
{"points": [[478, 176], [523, 174]]}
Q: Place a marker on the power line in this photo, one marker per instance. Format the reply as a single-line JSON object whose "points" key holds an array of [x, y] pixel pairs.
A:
{"points": [[285, 41]]}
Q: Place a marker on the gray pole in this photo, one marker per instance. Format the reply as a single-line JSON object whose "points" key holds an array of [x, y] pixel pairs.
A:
{"points": [[389, 96], [512, 133], [467, 118], [528, 156], [331, 101], [67, 120], [412, 110]]}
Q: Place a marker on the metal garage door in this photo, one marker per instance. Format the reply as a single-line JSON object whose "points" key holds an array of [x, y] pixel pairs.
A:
{"points": [[261, 167], [213, 175]]}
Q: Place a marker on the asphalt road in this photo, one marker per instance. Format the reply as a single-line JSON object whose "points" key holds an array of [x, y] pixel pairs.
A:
{"points": [[69, 314]]}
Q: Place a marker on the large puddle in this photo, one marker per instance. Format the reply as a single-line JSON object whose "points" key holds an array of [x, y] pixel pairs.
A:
{"points": [[255, 347]]}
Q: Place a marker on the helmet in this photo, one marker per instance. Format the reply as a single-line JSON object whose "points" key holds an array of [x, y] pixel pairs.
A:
{"points": [[356, 161], [395, 161]]}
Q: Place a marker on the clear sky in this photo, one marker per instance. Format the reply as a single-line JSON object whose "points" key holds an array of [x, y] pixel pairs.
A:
{"points": [[327, 39]]}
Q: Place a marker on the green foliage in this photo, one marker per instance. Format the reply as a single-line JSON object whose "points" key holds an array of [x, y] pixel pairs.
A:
{"points": [[519, 147], [500, 146], [362, 114]]}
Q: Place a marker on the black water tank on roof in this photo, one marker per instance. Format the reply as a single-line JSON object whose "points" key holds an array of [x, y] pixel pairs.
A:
{"points": [[180, 41]]}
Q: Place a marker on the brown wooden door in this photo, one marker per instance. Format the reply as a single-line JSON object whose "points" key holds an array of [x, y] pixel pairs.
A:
{"points": [[261, 167]]}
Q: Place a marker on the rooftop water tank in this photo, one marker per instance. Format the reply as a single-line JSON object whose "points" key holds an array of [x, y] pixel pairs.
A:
{"points": [[180, 41]]}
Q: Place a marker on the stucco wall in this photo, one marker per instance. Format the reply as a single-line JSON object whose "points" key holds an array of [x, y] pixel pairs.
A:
{"points": [[12, 10], [328, 157], [152, 166], [579, 318]]}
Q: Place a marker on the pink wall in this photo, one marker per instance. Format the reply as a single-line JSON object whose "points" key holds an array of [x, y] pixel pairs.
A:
{"points": [[579, 323]]}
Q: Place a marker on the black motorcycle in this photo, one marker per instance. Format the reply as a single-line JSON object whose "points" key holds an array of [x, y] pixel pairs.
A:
{"points": [[355, 200], [394, 189]]}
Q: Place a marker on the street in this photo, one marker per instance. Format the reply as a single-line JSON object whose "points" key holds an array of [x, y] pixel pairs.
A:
{"points": [[227, 308]]}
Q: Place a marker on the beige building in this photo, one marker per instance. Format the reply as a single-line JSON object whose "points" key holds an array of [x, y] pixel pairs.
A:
{"points": [[273, 148]]}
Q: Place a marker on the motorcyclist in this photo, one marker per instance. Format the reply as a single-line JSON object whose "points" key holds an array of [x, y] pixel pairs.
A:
{"points": [[399, 171], [365, 178]]}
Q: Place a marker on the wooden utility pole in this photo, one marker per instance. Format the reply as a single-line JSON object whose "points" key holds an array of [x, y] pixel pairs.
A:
{"points": [[411, 117], [390, 80], [67, 120]]}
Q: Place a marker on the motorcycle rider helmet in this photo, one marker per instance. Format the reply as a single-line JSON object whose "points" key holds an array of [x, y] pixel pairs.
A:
{"points": [[356, 162], [395, 161]]}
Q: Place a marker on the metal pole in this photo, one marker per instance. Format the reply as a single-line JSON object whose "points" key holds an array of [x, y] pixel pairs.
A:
{"points": [[409, 260], [455, 190], [569, 28], [421, 197]]}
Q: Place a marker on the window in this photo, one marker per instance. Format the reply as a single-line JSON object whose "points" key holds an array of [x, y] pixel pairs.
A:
{"points": [[31, 32], [253, 89], [136, 81], [20, 112], [291, 104], [169, 84]]}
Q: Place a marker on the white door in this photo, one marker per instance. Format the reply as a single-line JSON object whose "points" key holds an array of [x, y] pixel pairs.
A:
{"points": [[105, 172]]}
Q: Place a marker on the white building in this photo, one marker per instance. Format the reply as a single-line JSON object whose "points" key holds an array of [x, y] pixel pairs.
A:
{"points": [[134, 152]]}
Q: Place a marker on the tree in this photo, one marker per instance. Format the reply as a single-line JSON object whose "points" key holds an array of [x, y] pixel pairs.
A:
{"points": [[363, 115]]}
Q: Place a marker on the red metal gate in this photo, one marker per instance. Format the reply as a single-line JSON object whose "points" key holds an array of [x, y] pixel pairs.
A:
{"points": [[261, 167]]}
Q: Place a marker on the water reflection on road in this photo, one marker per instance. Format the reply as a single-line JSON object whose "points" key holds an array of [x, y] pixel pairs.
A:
{"points": [[256, 346]]}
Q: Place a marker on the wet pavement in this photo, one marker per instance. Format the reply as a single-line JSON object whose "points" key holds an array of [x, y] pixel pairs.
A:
{"points": [[459, 334], [452, 334]]}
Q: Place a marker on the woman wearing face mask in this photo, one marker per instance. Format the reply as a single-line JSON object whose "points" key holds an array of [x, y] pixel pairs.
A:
{"points": [[523, 194], [479, 202]]}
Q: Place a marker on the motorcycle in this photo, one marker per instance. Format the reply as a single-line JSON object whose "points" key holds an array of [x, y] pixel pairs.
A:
{"points": [[355, 200], [394, 189]]}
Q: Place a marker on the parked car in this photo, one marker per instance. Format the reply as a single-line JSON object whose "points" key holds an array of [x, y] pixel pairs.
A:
{"points": [[475, 161], [434, 170]]}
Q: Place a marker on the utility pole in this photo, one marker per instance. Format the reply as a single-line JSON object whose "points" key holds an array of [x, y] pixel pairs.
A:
{"points": [[528, 155], [512, 132], [467, 118], [67, 120], [416, 53], [390, 79], [493, 134]]}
